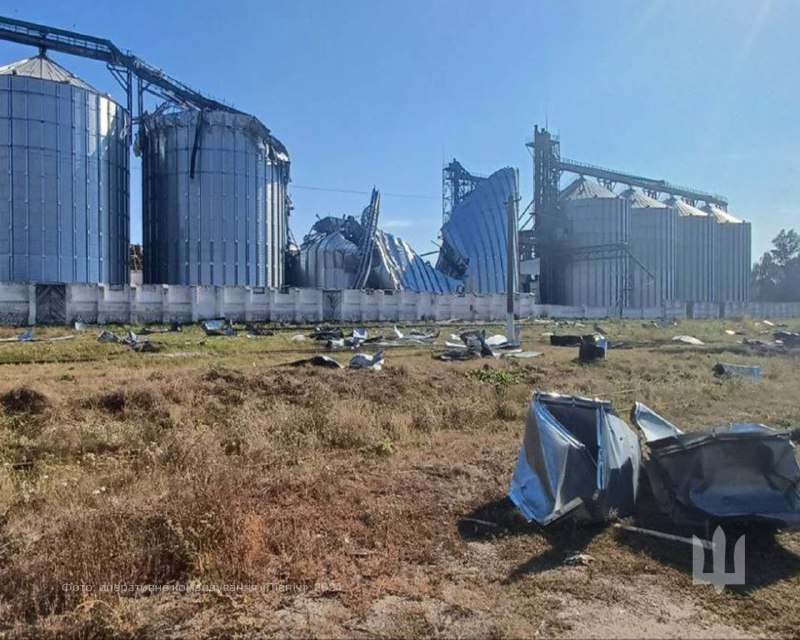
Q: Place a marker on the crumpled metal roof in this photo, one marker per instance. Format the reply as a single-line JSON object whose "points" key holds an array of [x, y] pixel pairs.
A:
{"points": [[328, 262], [684, 208], [44, 68], [400, 268], [474, 239], [332, 255], [641, 200], [581, 188], [721, 216]]}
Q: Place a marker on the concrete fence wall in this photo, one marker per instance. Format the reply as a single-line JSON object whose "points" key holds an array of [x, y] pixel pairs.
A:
{"points": [[165, 303]]}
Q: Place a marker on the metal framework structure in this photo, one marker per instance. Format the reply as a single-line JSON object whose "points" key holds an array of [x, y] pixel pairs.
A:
{"points": [[123, 65], [457, 184], [651, 187]]}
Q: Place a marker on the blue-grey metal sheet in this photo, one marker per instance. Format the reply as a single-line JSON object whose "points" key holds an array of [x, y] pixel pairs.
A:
{"points": [[214, 200], [400, 268], [475, 236], [64, 178], [741, 472], [578, 459]]}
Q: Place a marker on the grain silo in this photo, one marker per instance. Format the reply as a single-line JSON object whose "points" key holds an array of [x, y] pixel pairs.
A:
{"points": [[653, 248], [731, 256], [475, 237], [694, 266], [593, 246], [63, 178], [214, 200]]}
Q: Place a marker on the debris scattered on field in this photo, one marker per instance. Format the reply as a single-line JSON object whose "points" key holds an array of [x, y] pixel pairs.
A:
{"points": [[706, 544], [317, 361], [577, 559], [787, 338], [108, 336], [80, 326], [741, 472], [25, 336], [485, 523], [521, 354], [768, 323], [600, 329], [725, 369], [218, 328], [254, 331], [730, 332], [415, 336], [592, 348], [688, 340], [366, 361], [565, 341], [473, 345], [174, 327], [299, 338], [145, 346], [326, 334], [579, 460], [360, 333]]}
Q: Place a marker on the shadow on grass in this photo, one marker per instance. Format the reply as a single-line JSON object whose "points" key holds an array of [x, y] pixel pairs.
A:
{"points": [[501, 519], [767, 561]]}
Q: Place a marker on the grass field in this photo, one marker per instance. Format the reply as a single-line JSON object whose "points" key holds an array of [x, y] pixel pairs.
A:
{"points": [[260, 499]]}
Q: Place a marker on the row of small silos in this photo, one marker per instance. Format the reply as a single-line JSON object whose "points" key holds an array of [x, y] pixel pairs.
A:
{"points": [[214, 183], [629, 249]]}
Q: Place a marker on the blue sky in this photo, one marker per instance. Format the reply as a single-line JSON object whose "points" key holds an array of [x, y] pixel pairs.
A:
{"points": [[704, 93]]}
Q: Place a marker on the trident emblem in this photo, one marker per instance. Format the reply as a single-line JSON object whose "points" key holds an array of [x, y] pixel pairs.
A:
{"points": [[717, 577]]}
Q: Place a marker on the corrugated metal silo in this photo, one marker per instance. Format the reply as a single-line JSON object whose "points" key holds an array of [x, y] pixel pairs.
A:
{"points": [[214, 200], [694, 266], [594, 246], [732, 255], [63, 178], [653, 245]]}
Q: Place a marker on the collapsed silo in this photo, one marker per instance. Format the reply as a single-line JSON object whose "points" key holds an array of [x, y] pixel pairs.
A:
{"points": [[63, 178], [731, 256], [694, 266], [653, 248], [475, 237], [214, 200], [593, 246]]}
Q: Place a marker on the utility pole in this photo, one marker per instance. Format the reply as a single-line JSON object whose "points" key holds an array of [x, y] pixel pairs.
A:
{"points": [[512, 262]]}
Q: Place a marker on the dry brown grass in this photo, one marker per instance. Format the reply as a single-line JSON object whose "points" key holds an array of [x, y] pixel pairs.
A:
{"points": [[241, 471]]}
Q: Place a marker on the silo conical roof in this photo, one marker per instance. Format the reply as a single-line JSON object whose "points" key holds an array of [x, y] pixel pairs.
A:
{"points": [[684, 208], [641, 200], [581, 188], [43, 68], [720, 215]]}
